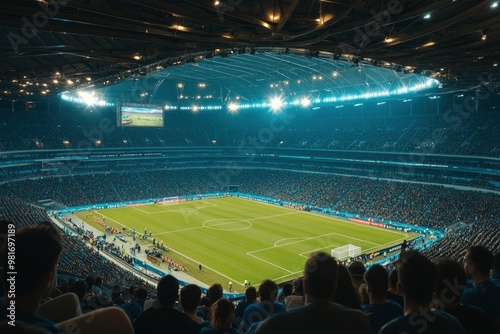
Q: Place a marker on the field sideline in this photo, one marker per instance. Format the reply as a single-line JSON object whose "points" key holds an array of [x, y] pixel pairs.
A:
{"points": [[236, 239]]}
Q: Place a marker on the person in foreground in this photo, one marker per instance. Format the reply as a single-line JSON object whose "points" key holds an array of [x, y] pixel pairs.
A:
{"points": [[417, 283], [37, 253], [166, 319], [221, 319], [319, 315]]}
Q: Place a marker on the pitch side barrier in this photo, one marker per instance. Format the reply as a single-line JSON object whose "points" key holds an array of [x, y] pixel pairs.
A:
{"points": [[429, 235]]}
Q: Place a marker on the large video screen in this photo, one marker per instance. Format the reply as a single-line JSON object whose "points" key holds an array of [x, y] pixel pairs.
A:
{"points": [[135, 114]]}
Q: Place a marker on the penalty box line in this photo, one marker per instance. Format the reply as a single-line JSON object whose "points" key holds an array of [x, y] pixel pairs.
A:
{"points": [[300, 254], [311, 238], [305, 254]]}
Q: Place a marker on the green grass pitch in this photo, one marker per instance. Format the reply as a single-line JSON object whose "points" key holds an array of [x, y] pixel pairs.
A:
{"points": [[236, 239]]}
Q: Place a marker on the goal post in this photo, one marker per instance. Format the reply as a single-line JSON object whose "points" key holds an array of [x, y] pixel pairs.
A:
{"points": [[344, 252], [170, 200]]}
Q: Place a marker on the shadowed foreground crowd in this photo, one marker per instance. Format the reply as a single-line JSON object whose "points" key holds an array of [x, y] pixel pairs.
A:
{"points": [[420, 296]]}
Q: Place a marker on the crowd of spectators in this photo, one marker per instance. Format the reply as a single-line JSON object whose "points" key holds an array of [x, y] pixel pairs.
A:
{"points": [[475, 135], [354, 302], [436, 298], [77, 258], [366, 195], [413, 203], [409, 202]]}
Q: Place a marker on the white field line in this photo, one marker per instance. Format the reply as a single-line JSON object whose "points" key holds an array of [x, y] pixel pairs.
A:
{"points": [[294, 238], [344, 220], [116, 221], [205, 266], [387, 243], [227, 223], [300, 254], [187, 257], [197, 208], [306, 254], [293, 211], [311, 238], [143, 211], [293, 273], [268, 262]]}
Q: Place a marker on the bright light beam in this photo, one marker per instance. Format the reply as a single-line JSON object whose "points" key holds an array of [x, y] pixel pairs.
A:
{"points": [[305, 102], [276, 103]]}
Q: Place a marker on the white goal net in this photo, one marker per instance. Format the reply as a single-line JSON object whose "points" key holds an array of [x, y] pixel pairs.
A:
{"points": [[171, 200], [345, 252]]}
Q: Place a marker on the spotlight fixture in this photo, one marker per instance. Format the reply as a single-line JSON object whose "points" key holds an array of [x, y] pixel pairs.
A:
{"points": [[233, 107]]}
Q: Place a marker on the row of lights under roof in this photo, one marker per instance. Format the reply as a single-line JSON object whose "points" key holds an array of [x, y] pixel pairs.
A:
{"points": [[90, 98], [27, 85], [493, 5], [276, 103], [180, 85], [427, 16]]}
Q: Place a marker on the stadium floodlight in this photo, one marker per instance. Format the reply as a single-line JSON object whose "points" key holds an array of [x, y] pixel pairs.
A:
{"points": [[276, 103], [233, 107], [305, 102]]}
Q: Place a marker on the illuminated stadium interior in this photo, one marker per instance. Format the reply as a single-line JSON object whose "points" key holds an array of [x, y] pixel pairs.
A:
{"points": [[232, 139]]}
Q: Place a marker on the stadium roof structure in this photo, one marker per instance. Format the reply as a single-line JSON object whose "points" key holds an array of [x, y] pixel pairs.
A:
{"points": [[154, 51]]}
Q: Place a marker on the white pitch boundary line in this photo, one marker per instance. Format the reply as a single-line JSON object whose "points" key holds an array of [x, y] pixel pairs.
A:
{"points": [[173, 250], [265, 217], [344, 220], [293, 273], [276, 243], [304, 254], [387, 243], [313, 250], [137, 208], [268, 262], [205, 266], [295, 242], [228, 223], [116, 221], [316, 237], [197, 208]]}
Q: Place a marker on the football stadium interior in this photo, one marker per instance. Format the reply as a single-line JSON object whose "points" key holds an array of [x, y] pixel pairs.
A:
{"points": [[227, 141]]}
